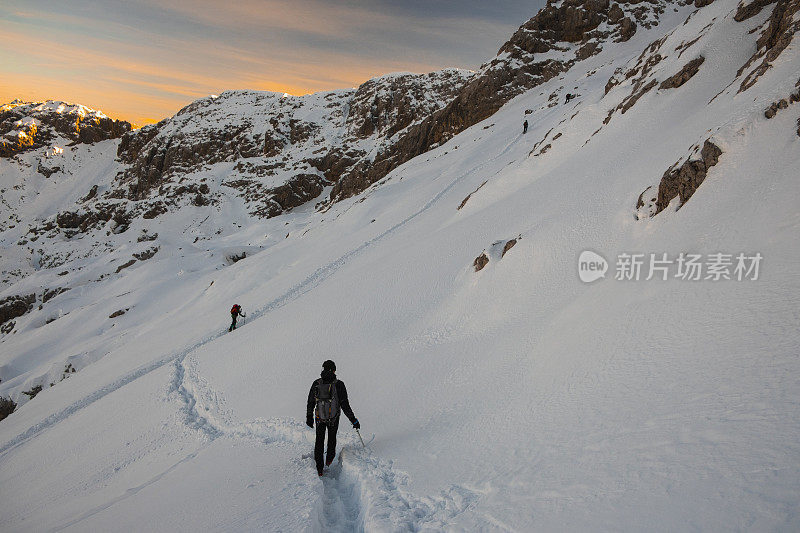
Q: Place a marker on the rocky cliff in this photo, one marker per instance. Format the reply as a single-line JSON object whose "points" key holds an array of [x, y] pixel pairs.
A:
{"points": [[561, 34], [279, 151], [29, 125]]}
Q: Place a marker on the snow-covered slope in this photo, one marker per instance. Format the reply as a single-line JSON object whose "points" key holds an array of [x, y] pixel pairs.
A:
{"points": [[515, 397]]}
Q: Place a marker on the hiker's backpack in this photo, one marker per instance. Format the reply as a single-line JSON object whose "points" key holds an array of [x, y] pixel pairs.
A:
{"points": [[235, 309], [327, 410]]}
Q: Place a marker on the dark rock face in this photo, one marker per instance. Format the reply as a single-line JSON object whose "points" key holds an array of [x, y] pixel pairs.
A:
{"points": [[49, 294], [639, 75], [30, 125], [627, 29], [772, 110], [702, 3], [156, 209], [684, 180], [33, 391], [685, 74], [7, 407], [775, 38], [147, 254], [155, 161], [560, 21], [480, 262], [96, 215], [125, 265], [15, 306], [388, 106], [615, 14], [515, 70], [90, 195], [783, 103], [509, 244], [46, 171], [750, 9]]}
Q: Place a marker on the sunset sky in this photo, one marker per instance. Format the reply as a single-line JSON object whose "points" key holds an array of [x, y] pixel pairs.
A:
{"points": [[142, 60]]}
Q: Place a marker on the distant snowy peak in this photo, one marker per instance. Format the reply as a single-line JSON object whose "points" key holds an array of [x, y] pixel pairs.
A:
{"points": [[279, 151], [29, 125]]}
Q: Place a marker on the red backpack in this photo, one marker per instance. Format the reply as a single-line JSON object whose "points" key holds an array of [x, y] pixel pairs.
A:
{"points": [[235, 309]]}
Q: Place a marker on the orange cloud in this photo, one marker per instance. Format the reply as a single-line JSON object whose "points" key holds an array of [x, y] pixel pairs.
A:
{"points": [[131, 72]]}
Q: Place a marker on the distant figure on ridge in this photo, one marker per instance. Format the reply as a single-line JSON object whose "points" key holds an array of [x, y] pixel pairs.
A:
{"points": [[326, 399], [236, 312], [525, 127]]}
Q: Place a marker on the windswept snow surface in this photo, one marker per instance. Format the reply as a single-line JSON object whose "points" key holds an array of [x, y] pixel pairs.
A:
{"points": [[516, 398]]}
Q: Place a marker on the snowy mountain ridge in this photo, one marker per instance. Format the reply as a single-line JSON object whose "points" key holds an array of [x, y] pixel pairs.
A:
{"points": [[26, 126], [442, 280]]}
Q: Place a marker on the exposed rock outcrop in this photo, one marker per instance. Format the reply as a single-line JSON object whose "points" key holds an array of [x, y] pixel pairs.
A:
{"points": [[684, 179], [49, 294], [684, 75], [147, 254], [750, 9], [783, 103], [36, 389], [508, 245], [774, 39], [557, 28], [125, 265], [30, 125], [94, 216], [7, 406], [15, 306], [480, 262], [642, 83]]}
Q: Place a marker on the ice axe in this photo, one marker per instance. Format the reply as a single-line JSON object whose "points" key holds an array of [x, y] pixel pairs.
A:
{"points": [[359, 438]]}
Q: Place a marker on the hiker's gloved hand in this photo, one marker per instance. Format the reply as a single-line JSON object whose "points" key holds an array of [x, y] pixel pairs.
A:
{"points": [[356, 424], [309, 422]]}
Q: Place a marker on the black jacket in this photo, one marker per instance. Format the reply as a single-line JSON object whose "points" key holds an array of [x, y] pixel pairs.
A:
{"points": [[341, 395]]}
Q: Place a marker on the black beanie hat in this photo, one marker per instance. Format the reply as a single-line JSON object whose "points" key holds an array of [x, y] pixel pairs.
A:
{"points": [[329, 365]]}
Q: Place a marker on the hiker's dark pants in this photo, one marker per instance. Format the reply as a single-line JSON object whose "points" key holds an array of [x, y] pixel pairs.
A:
{"points": [[320, 444], [233, 322]]}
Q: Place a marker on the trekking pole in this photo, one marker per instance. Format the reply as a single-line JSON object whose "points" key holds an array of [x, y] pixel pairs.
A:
{"points": [[359, 436]]}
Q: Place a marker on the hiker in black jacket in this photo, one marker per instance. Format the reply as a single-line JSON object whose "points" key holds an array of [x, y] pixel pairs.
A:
{"points": [[327, 397]]}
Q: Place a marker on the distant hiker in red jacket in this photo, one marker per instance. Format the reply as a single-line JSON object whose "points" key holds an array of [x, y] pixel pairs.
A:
{"points": [[525, 127], [236, 312], [327, 399]]}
